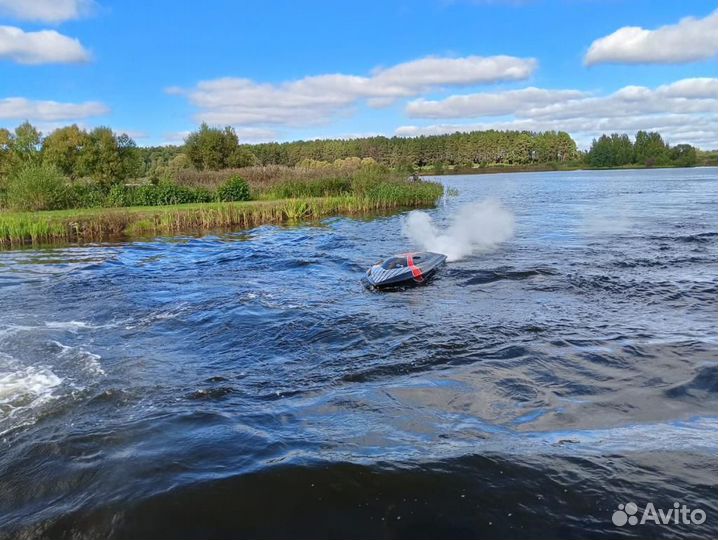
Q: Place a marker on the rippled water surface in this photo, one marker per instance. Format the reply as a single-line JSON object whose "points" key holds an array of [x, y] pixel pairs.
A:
{"points": [[246, 385]]}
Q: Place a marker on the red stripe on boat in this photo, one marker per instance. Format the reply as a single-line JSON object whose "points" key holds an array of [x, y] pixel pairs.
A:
{"points": [[415, 270]]}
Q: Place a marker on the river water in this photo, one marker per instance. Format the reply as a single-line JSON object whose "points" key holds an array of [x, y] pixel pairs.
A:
{"points": [[247, 385]]}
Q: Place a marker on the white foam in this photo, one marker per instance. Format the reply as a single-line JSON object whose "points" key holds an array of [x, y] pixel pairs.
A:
{"points": [[24, 386], [67, 325], [73, 326], [160, 315], [11, 330], [88, 362]]}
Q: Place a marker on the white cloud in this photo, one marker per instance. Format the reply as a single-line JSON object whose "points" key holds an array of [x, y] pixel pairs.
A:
{"points": [[43, 47], [488, 104], [431, 72], [689, 40], [316, 99], [683, 111], [687, 96], [696, 88], [250, 135], [50, 11], [175, 137], [18, 108]]}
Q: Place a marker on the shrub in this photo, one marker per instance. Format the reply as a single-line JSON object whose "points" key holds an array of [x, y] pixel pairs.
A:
{"points": [[166, 193], [292, 189], [84, 195], [36, 187], [155, 195], [234, 189], [120, 195]]}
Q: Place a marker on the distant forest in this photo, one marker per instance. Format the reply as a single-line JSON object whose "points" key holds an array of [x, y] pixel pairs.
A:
{"points": [[215, 149], [107, 157]]}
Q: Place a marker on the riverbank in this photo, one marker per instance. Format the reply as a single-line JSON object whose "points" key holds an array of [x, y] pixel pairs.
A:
{"points": [[102, 224]]}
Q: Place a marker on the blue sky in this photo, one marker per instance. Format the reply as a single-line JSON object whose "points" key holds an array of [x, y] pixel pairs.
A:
{"points": [[281, 70]]}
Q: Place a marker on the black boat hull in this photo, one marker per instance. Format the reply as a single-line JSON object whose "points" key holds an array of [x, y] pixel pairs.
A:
{"points": [[405, 270]]}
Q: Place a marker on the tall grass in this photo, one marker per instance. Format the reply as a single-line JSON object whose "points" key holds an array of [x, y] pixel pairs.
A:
{"points": [[289, 189], [270, 180], [285, 195], [99, 224]]}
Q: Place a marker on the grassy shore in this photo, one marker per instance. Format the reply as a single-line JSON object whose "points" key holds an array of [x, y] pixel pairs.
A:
{"points": [[101, 224]]}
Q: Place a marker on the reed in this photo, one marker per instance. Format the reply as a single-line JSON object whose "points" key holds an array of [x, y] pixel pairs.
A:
{"points": [[101, 224]]}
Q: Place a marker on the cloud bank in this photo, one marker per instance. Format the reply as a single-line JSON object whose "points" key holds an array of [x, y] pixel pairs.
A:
{"points": [[317, 99], [489, 104], [689, 40], [18, 108], [42, 47], [49, 11]]}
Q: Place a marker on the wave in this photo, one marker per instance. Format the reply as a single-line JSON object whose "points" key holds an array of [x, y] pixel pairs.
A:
{"points": [[88, 362], [703, 385], [463, 488], [18, 383], [480, 277], [23, 389], [700, 238]]}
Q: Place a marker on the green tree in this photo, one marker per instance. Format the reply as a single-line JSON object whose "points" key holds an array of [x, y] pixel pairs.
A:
{"points": [[101, 158], [621, 149], [25, 144], [684, 155], [129, 157], [63, 148], [650, 149], [178, 163], [600, 154], [6, 156], [211, 148], [565, 147], [610, 151], [108, 158], [521, 148], [242, 156]]}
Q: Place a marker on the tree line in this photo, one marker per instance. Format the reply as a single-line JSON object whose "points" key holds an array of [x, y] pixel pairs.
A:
{"points": [[457, 149], [648, 149], [211, 148], [109, 158], [100, 154], [214, 149]]}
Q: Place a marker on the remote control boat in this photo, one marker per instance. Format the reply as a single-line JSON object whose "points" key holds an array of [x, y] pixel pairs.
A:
{"points": [[403, 270]]}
